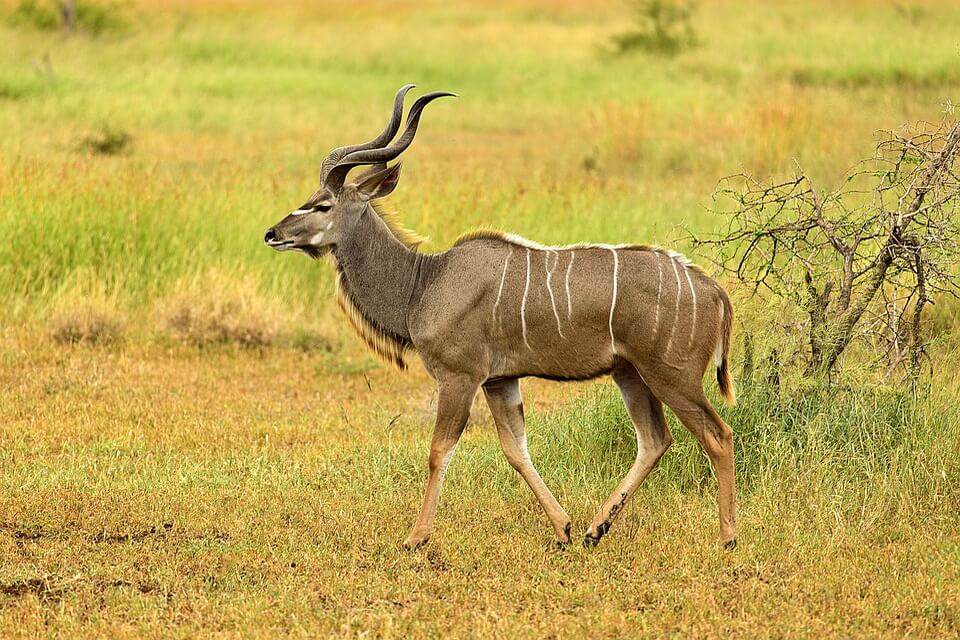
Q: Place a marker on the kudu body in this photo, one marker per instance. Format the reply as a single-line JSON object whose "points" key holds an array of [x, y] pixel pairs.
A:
{"points": [[495, 308]]}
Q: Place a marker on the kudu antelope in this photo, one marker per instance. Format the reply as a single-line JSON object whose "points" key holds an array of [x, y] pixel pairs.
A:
{"points": [[495, 308]]}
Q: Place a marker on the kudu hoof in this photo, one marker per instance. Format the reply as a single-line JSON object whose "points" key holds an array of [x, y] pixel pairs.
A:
{"points": [[730, 545], [414, 544], [593, 539]]}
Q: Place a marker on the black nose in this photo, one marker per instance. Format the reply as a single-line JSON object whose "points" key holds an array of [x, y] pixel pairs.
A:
{"points": [[270, 235]]}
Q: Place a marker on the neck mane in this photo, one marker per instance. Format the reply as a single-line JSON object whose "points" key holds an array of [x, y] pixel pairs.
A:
{"points": [[377, 269], [390, 215]]}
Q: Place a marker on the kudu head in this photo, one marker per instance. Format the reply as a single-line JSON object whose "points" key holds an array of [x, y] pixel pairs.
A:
{"points": [[333, 210]]}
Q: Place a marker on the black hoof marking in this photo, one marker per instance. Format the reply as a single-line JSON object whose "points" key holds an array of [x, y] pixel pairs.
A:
{"points": [[590, 541], [416, 545], [566, 530], [730, 545]]}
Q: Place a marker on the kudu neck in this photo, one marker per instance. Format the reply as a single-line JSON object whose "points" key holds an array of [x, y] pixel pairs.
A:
{"points": [[379, 273]]}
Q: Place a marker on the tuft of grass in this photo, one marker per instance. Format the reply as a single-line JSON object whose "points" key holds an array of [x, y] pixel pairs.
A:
{"points": [[38, 15], [21, 87], [88, 319], [107, 141], [92, 18], [310, 340], [662, 26], [214, 309], [898, 77], [825, 437]]}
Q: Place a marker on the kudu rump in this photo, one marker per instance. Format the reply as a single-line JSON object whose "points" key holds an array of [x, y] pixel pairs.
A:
{"points": [[495, 308]]}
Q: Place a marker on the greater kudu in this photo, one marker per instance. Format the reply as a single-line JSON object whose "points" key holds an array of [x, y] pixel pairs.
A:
{"points": [[495, 308]]}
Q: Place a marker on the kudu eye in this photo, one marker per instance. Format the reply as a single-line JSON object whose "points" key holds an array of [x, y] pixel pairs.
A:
{"points": [[322, 207]]}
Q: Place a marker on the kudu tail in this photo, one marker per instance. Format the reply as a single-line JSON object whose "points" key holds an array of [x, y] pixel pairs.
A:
{"points": [[722, 356]]}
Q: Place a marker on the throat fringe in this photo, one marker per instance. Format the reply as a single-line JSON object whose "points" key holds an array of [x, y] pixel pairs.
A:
{"points": [[387, 347]]}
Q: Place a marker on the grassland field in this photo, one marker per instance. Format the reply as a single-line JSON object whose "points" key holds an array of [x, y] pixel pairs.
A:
{"points": [[194, 444]]}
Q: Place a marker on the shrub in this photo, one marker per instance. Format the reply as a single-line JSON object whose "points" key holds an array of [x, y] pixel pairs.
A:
{"points": [[47, 16], [218, 310], [107, 141], [90, 319], [662, 26]]}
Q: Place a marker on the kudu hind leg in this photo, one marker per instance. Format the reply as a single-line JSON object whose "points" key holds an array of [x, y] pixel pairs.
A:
{"points": [[653, 439], [453, 410], [716, 438], [506, 406]]}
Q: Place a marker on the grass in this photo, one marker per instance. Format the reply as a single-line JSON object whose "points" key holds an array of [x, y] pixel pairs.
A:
{"points": [[168, 480]]}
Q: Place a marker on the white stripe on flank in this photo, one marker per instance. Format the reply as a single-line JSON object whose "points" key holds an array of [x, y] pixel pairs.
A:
{"points": [[553, 303], [569, 300], [523, 305], [503, 277], [693, 313], [656, 313], [613, 303], [676, 312]]}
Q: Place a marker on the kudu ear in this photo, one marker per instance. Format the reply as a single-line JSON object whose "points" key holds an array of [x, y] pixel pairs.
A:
{"points": [[378, 182]]}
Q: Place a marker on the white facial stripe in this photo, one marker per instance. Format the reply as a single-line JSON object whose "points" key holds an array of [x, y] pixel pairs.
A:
{"points": [[503, 277], [315, 208], [569, 299], [613, 302], [693, 312], [549, 271], [523, 305], [676, 311]]}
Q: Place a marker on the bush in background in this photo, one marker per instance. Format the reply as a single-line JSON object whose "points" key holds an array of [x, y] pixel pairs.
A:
{"points": [[106, 141], [89, 317], [47, 16], [215, 309], [662, 26]]}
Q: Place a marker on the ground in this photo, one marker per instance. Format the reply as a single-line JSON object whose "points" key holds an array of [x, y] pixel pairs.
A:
{"points": [[195, 444]]}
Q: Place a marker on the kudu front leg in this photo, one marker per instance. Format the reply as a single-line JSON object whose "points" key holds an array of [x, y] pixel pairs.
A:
{"points": [[453, 409], [506, 406]]}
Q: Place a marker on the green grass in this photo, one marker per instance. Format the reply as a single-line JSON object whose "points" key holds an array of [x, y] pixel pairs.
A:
{"points": [[165, 477]]}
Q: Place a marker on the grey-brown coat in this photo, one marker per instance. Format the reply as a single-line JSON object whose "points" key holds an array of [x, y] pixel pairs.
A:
{"points": [[495, 308]]}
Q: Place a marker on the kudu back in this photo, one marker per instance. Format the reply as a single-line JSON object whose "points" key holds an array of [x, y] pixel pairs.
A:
{"points": [[496, 308]]}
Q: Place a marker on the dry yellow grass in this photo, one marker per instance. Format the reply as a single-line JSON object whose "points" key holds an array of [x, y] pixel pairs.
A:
{"points": [[151, 488], [157, 492]]}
